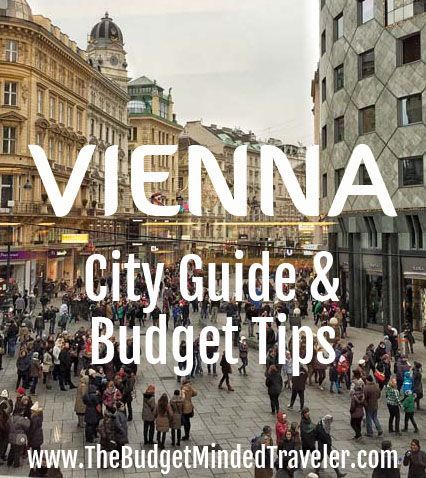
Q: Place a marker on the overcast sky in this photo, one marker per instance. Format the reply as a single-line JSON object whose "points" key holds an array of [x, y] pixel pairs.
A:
{"points": [[246, 63]]}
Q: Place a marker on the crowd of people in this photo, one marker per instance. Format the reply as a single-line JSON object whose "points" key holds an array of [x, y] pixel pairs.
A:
{"points": [[49, 357]]}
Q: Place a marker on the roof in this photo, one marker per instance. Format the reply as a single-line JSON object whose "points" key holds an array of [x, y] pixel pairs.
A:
{"points": [[141, 81]]}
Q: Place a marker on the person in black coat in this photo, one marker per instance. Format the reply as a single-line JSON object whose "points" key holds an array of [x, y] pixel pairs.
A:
{"points": [[417, 383], [298, 388], [386, 469], [307, 431], [35, 433], [226, 371], [274, 382], [65, 362], [325, 443], [93, 402], [415, 459]]}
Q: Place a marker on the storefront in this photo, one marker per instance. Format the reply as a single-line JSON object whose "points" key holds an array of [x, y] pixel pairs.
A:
{"points": [[344, 278], [414, 291], [60, 265], [373, 288], [20, 268]]}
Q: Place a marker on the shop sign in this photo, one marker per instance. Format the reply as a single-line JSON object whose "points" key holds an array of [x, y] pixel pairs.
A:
{"points": [[55, 254], [75, 238], [372, 264], [15, 256]]}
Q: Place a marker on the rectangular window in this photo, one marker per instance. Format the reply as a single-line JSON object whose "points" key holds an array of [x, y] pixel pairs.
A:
{"points": [[338, 27], [323, 42], [101, 130], [324, 185], [409, 49], [61, 112], [6, 193], [40, 102], [11, 51], [324, 90], [107, 135], [69, 117], [52, 108], [410, 110], [134, 134], [9, 140], [372, 231], [339, 78], [365, 11], [416, 232], [366, 64], [51, 149], [324, 137], [367, 120], [79, 120], [411, 171], [92, 127], [339, 129], [60, 150], [338, 176], [10, 93], [364, 177], [39, 139]]}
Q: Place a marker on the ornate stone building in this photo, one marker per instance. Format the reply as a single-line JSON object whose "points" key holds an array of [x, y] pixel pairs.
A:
{"points": [[372, 80]]}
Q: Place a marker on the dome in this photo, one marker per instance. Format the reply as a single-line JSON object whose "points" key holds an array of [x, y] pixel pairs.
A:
{"points": [[16, 9], [138, 107], [106, 30]]}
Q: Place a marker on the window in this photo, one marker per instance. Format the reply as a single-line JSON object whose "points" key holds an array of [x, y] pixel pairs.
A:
{"points": [[338, 176], [365, 11], [324, 137], [52, 108], [107, 134], [338, 27], [39, 139], [419, 7], [134, 134], [371, 231], [323, 43], [79, 120], [410, 110], [40, 102], [6, 193], [9, 140], [339, 78], [324, 185], [411, 171], [92, 127], [339, 129], [367, 120], [11, 51], [416, 232], [101, 130], [60, 150], [364, 177], [51, 149], [409, 49], [366, 64], [10, 93], [69, 117], [61, 112], [324, 90]]}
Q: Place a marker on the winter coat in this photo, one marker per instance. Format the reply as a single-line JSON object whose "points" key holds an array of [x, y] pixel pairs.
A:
{"points": [[93, 403], [106, 431], [35, 433], [324, 438], [148, 409], [408, 403], [225, 365], [162, 420], [121, 428], [35, 368], [299, 383], [372, 394], [357, 405], [176, 405], [274, 382], [187, 393], [417, 383], [82, 389], [18, 425], [23, 364], [417, 464], [307, 433]]}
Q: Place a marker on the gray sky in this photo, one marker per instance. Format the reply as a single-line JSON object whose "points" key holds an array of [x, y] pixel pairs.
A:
{"points": [[246, 63]]}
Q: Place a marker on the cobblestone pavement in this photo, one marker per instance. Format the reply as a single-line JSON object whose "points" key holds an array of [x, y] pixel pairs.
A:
{"points": [[222, 417]]}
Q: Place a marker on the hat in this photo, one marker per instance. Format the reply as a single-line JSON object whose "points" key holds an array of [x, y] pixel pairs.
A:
{"points": [[361, 362], [36, 407], [150, 389], [4, 394], [91, 372], [20, 391], [351, 345], [35, 355], [242, 338]]}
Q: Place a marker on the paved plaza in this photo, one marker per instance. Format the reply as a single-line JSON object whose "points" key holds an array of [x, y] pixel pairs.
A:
{"points": [[221, 417]]}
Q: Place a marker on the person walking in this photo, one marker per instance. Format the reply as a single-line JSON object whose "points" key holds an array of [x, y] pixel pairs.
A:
{"points": [[36, 372], [148, 415], [188, 392], [93, 402], [393, 403], [243, 350], [35, 432], [274, 382], [163, 415], [372, 394], [265, 470], [417, 383], [386, 468], [298, 388], [79, 405], [409, 405], [226, 371], [176, 405], [415, 459], [307, 431], [357, 410], [325, 443]]}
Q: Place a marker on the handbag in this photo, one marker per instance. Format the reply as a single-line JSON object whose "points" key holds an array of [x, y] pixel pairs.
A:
{"points": [[379, 376], [21, 439]]}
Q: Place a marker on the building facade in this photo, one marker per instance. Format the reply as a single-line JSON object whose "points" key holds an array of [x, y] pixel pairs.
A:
{"points": [[47, 84], [371, 86]]}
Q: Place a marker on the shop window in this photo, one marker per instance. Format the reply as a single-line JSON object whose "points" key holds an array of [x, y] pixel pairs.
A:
{"points": [[365, 11], [374, 288], [324, 185], [9, 140], [339, 78], [367, 120], [339, 129], [409, 49], [338, 176], [370, 225], [411, 172], [415, 231], [10, 93], [366, 64], [410, 110], [6, 193], [324, 137], [324, 90], [323, 42], [364, 177], [338, 27]]}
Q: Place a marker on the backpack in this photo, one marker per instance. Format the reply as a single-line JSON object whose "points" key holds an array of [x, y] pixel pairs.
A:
{"points": [[342, 366], [255, 444]]}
